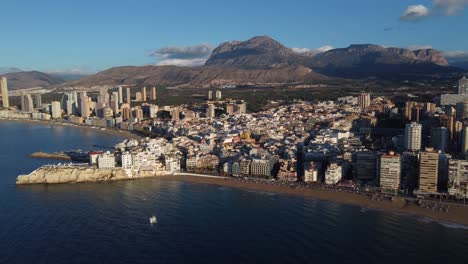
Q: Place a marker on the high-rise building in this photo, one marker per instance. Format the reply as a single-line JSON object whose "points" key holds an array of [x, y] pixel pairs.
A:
{"points": [[38, 101], [439, 138], [416, 113], [4, 92], [120, 95], [365, 165], [364, 101], [390, 170], [464, 143], [129, 96], [458, 178], [428, 171], [413, 132], [241, 107], [85, 105], [143, 93], [408, 106], [153, 95], [126, 111], [210, 111], [210, 95], [27, 103], [218, 95], [138, 97], [463, 86], [56, 109], [22, 95]]}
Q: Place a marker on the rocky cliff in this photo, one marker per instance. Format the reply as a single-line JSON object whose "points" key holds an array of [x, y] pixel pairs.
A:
{"points": [[75, 174]]}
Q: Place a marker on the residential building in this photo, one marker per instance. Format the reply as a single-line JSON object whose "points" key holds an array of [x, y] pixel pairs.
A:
{"points": [[333, 174], [428, 171], [412, 138], [4, 92], [390, 172]]}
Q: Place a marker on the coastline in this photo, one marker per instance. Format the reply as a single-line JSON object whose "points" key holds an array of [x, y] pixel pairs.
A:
{"points": [[458, 214], [114, 132]]}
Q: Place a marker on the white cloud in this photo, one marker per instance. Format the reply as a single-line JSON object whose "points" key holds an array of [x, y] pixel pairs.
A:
{"points": [[182, 62], [182, 56], [308, 51], [189, 52], [456, 55], [414, 13], [450, 7], [418, 47]]}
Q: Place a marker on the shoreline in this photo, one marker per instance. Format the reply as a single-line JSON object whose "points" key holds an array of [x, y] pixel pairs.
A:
{"points": [[115, 132], [457, 214]]}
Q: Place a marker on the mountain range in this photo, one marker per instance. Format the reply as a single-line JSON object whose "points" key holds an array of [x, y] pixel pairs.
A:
{"points": [[261, 60]]}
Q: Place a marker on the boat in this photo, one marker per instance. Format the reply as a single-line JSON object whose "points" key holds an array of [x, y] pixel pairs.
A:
{"points": [[153, 220]]}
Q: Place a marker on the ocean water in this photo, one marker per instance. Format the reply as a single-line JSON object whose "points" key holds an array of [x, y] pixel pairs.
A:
{"points": [[197, 223]]}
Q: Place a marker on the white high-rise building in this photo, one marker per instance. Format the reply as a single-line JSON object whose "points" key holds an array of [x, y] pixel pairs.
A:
{"points": [[463, 86], [129, 96], [55, 109], [218, 95], [120, 95], [211, 111], [413, 132], [4, 92]]}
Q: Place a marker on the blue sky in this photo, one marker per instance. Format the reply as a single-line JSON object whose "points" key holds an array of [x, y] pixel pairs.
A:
{"points": [[53, 35]]}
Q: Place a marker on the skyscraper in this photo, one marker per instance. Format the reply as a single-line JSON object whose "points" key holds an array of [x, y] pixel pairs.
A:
{"points": [[210, 111], [413, 136], [439, 138], [218, 95], [463, 86], [390, 170], [364, 101], [129, 96], [4, 92], [55, 109], [143, 93], [120, 95], [428, 171], [27, 103], [210, 95], [38, 98], [153, 93]]}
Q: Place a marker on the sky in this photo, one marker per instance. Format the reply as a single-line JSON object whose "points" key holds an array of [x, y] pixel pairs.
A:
{"points": [[89, 36]]}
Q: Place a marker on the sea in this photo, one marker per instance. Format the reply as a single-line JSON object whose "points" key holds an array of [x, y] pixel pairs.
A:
{"points": [[197, 223]]}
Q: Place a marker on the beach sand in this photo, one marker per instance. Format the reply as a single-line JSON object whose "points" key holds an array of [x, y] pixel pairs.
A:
{"points": [[457, 214]]}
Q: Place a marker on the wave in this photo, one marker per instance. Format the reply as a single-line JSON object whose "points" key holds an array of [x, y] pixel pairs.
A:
{"points": [[445, 224]]}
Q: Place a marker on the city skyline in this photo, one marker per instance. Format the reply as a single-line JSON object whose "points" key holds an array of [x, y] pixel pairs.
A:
{"points": [[87, 37]]}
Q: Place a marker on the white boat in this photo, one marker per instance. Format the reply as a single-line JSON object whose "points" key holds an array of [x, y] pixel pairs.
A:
{"points": [[153, 220]]}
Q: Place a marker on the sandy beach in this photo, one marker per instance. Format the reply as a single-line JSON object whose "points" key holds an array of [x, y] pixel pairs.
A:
{"points": [[457, 214], [115, 132]]}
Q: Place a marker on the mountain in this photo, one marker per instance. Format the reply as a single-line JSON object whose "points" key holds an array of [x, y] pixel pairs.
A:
{"points": [[30, 79], [262, 59], [197, 76], [355, 61], [5, 70], [360, 61], [260, 52]]}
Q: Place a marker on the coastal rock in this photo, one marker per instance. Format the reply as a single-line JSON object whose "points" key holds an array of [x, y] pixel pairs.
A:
{"points": [[76, 174]]}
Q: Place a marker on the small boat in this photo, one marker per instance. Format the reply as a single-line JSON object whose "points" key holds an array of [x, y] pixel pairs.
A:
{"points": [[153, 220]]}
